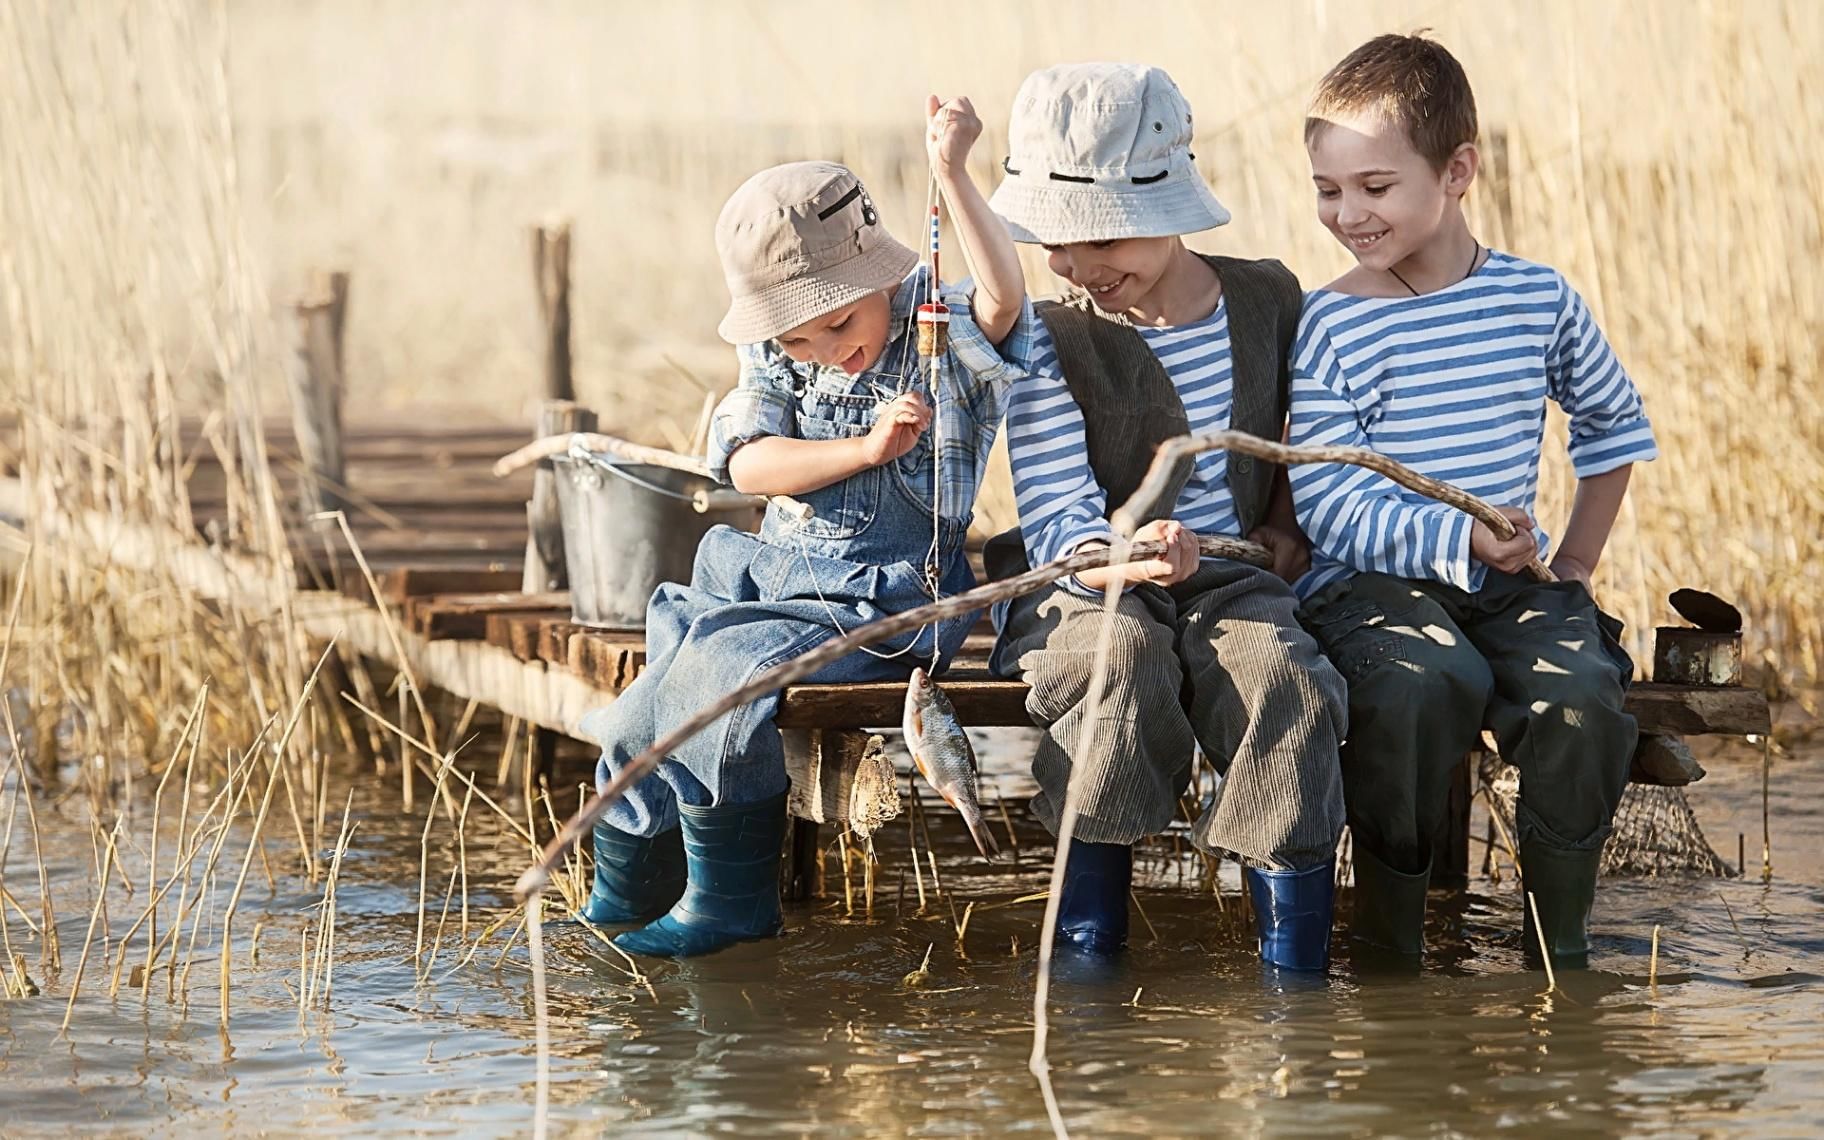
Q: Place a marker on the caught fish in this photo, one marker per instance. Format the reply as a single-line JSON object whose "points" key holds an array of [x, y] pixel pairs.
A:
{"points": [[942, 753]]}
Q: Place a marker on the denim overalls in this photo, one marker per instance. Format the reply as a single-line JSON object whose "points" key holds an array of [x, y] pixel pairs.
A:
{"points": [[755, 601]]}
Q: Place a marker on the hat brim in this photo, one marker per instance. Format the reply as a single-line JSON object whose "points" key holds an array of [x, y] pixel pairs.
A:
{"points": [[1044, 211], [756, 317]]}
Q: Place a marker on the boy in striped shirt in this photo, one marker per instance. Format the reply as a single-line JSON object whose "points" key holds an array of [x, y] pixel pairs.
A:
{"points": [[1441, 353], [1153, 342]]}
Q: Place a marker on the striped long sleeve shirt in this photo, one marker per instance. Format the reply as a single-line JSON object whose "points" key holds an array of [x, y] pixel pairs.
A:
{"points": [[1061, 504], [1454, 385]]}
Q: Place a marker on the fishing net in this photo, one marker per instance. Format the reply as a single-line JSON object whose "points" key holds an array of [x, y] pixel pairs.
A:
{"points": [[1656, 832]]}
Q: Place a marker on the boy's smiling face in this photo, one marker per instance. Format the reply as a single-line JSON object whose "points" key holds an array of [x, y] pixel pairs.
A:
{"points": [[850, 338], [1117, 275], [1377, 194]]}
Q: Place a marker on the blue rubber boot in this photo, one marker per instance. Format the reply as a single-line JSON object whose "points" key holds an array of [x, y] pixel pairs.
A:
{"points": [[1092, 914], [636, 879], [731, 856], [1292, 909]]}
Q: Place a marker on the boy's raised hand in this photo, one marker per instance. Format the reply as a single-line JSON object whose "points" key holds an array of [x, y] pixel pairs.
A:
{"points": [[951, 128], [897, 426], [1508, 555]]}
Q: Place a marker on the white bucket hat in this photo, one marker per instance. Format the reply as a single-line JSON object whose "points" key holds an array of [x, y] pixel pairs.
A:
{"points": [[798, 241], [1098, 152]]}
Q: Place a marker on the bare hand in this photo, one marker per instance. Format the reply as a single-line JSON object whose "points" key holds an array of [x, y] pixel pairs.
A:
{"points": [[951, 128], [1291, 551], [1177, 563], [1509, 555], [897, 426]]}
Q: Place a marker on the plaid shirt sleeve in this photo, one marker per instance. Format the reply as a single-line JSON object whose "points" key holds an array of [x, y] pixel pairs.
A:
{"points": [[987, 370], [764, 402]]}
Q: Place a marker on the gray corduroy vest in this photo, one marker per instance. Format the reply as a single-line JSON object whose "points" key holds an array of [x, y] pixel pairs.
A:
{"points": [[1130, 406]]}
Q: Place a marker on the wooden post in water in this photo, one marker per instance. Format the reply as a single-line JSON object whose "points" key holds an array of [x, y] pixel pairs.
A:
{"points": [[545, 568], [316, 380]]}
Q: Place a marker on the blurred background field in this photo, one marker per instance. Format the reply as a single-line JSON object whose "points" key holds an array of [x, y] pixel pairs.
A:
{"points": [[175, 172]]}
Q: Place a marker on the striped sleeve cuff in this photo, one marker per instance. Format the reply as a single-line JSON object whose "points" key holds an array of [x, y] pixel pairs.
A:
{"points": [[1597, 453], [1447, 549], [1073, 541]]}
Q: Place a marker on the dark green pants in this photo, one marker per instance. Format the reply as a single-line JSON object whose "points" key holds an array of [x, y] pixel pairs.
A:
{"points": [[1429, 666]]}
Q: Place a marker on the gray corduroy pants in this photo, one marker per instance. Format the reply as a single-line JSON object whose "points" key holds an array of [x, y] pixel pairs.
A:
{"points": [[1218, 660]]}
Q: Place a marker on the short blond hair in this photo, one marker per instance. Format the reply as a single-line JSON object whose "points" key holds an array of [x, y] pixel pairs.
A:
{"points": [[1410, 80]]}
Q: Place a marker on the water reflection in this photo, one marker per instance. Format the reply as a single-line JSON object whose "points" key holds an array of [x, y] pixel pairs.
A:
{"points": [[820, 1034]]}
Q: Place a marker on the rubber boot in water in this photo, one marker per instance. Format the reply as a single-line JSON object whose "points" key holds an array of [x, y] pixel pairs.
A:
{"points": [[731, 858], [636, 879], [1292, 909], [1563, 886], [1389, 910], [1092, 912]]}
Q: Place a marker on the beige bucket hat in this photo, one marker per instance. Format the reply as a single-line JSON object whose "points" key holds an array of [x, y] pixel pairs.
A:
{"points": [[798, 241], [1101, 151]]}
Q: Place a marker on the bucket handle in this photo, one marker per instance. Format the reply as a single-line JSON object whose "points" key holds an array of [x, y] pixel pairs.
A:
{"points": [[703, 502]]}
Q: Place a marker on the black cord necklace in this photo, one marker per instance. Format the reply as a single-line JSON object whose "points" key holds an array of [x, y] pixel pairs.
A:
{"points": [[1472, 268]]}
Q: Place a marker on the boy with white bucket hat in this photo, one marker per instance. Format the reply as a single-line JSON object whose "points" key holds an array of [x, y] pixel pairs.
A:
{"points": [[836, 408], [1154, 341]]}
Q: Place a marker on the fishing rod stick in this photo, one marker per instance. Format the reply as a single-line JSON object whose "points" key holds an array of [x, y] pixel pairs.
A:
{"points": [[577, 826], [1126, 517]]}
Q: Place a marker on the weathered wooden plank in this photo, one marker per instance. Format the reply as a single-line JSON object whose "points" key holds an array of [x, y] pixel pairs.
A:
{"points": [[461, 574], [982, 702], [607, 661], [417, 581], [464, 617], [554, 640], [979, 702], [517, 632], [1692, 710]]}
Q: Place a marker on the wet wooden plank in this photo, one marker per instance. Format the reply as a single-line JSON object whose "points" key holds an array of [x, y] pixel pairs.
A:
{"points": [[464, 617]]}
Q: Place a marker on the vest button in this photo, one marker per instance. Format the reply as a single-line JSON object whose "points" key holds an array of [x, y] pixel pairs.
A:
{"points": [[1244, 463]]}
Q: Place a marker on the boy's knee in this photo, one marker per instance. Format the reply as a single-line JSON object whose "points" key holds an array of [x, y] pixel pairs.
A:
{"points": [[1142, 664]]}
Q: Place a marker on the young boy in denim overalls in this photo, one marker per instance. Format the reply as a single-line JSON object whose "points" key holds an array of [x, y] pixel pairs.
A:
{"points": [[1158, 341], [833, 409], [1442, 354]]}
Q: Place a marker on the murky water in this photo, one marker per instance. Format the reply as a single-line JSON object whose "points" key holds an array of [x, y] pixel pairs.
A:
{"points": [[819, 1034]]}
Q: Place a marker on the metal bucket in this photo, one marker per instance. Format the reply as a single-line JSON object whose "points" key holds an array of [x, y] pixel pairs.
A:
{"points": [[628, 527]]}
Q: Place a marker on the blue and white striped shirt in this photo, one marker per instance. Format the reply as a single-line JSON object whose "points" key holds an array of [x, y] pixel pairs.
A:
{"points": [[1453, 384], [1061, 504]]}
